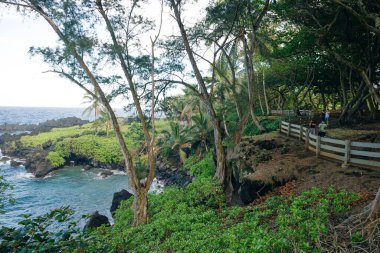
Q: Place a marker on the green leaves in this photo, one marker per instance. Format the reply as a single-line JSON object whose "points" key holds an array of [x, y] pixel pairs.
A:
{"points": [[193, 219], [55, 159], [51, 232]]}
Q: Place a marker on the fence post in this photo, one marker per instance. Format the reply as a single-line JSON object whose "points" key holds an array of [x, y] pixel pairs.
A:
{"points": [[307, 139], [280, 126], [347, 150], [289, 129], [318, 146], [301, 132]]}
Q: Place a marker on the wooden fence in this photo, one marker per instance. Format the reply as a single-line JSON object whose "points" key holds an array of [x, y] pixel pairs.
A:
{"points": [[292, 113], [346, 151]]}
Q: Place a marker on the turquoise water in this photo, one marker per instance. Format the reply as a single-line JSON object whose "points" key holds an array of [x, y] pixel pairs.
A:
{"points": [[83, 191]]}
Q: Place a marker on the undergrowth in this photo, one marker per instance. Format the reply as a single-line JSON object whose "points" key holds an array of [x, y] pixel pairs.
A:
{"points": [[196, 219], [193, 219]]}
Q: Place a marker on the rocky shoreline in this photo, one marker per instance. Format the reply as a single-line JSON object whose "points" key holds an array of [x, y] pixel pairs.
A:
{"points": [[17, 129]]}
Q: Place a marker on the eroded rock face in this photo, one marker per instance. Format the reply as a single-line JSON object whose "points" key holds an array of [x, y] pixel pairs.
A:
{"points": [[252, 176], [96, 220], [37, 164], [173, 177], [117, 198], [17, 162]]}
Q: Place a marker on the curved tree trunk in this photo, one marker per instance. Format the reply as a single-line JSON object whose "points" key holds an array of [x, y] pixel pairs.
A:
{"points": [[220, 156]]}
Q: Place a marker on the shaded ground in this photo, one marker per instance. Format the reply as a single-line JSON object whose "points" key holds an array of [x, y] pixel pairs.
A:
{"points": [[361, 132], [366, 131], [310, 171]]}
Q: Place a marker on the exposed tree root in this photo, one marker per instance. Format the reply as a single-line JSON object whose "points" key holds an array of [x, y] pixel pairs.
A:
{"points": [[358, 233]]}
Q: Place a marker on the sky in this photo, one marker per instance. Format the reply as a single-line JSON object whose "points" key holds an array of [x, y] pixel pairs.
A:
{"points": [[22, 81], [22, 78]]}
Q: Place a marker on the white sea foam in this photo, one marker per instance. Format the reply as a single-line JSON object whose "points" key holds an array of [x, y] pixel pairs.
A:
{"points": [[23, 175], [119, 172], [8, 162], [157, 186]]}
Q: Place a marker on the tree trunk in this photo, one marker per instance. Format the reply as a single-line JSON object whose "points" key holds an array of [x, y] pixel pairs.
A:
{"points": [[364, 95], [265, 95], [261, 105], [220, 172], [343, 87], [220, 157], [240, 128], [140, 207], [256, 121], [225, 125], [248, 57]]}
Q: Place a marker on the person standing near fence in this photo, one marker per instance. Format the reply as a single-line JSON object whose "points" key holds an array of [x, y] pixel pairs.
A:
{"points": [[312, 125], [327, 116], [322, 129]]}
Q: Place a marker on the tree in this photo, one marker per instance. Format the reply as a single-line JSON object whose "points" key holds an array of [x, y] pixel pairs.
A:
{"points": [[346, 33], [74, 24], [177, 139], [204, 94]]}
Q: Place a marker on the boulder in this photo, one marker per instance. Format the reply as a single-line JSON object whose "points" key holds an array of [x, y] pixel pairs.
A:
{"points": [[4, 159], [180, 179], [173, 178], [96, 220], [117, 198], [106, 173], [87, 167], [43, 168], [16, 163], [37, 164]]}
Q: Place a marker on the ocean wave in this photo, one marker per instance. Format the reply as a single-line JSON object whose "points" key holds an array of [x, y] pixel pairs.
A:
{"points": [[23, 175], [157, 186], [119, 172]]}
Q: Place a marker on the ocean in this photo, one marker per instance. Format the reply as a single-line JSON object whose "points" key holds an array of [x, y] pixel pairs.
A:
{"points": [[35, 115], [84, 191]]}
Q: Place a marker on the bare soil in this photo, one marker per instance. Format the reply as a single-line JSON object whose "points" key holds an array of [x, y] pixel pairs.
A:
{"points": [[310, 171]]}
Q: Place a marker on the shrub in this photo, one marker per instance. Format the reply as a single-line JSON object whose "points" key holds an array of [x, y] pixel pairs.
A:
{"points": [[53, 136], [284, 149], [55, 159], [195, 219], [52, 232], [97, 148], [269, 124], [204, 168], [262, 157]]}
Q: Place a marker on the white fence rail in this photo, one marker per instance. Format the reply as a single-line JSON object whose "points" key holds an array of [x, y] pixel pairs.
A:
{"points": [[346, 151]]}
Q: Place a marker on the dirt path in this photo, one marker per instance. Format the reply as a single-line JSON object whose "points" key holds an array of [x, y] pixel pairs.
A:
{"points": [[311, 171]]}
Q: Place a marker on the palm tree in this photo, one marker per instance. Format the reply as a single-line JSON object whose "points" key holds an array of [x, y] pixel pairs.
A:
{"points": [[177, 140], [202, 129], [94, 105]]}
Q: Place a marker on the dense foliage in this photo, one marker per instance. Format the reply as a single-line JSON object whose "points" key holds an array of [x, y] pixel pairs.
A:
{"points": [[262, 55], [194, 219]]}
